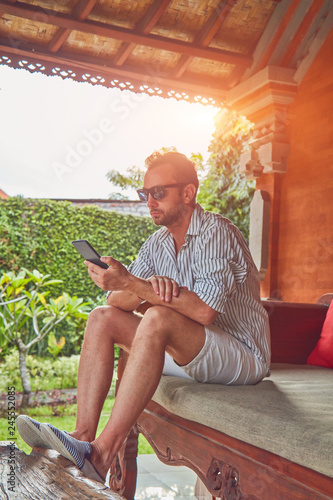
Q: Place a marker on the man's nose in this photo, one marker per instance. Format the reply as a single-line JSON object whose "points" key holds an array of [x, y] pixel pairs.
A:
{"points": [[151, 202]]}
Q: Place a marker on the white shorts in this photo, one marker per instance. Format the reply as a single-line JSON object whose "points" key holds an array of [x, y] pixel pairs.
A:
{"points": [[222, 360]]}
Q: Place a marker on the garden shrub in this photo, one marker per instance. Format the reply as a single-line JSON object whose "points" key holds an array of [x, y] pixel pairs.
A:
{"points": [[45, 373], [10, 372], [66, 370]]}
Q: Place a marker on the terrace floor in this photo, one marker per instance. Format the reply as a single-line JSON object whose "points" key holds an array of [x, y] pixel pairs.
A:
{"points": [[157, 480]]}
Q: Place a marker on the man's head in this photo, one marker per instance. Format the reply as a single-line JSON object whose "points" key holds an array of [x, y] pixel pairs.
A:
{"points": [[170, 187], [181, 166]]}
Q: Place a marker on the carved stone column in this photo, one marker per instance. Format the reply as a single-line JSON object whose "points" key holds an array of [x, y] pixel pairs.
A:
{"points": [[259, 230], [265, 99]]}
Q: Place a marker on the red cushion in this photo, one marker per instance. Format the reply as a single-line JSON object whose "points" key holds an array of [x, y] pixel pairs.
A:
{"points": [[322, 354]]}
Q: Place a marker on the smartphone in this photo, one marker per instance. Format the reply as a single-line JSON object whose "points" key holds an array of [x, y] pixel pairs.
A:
{"points": [[89, 253]]}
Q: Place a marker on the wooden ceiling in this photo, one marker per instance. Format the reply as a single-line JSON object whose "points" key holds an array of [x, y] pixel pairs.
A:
{"points": [[196, 50]]}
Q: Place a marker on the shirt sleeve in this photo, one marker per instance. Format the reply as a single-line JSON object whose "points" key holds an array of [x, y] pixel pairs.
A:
{"points": [[142, 266], [220, 266]]}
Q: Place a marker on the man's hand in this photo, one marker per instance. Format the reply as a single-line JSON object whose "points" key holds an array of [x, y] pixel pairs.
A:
{"points": [[158, 290], [165, 287], [115, 278]]}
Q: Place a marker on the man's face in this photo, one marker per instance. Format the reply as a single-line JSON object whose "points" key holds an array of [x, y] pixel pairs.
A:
{"points": [[168, 211]]}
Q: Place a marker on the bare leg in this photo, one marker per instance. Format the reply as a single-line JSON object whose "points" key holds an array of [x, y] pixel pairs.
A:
{"points": [[160, 330], [106, 326]]}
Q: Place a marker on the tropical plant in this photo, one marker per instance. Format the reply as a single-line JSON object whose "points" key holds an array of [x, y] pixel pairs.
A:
{"points": [[28, 314], [55, 347]]}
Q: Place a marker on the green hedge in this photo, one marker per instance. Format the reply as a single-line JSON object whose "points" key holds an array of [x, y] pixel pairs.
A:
{"points": [[37, 234]]}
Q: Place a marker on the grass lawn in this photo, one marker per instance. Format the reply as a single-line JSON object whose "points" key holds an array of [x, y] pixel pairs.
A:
{"points": [[64, 422]]}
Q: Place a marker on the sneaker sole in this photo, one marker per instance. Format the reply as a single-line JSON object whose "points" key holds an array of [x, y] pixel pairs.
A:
{"points": [[56, 443], [88, 469], [30, 433]]}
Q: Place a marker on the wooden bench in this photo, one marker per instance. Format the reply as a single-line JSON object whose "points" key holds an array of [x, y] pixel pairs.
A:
{"points": [[230, 467]]}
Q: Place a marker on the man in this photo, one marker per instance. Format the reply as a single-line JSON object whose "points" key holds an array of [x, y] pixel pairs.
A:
{"points": [[198, 274]]}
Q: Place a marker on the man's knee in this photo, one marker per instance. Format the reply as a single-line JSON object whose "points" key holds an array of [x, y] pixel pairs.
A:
{"points": [[160, 317], [104, 318], [101, 314], [157, 312]]}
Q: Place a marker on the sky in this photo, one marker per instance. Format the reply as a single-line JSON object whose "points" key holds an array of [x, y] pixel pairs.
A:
{"points": [[59, 138]]}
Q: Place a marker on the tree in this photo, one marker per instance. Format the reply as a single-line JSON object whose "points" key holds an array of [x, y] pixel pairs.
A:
{"points": [[133, 179], [26, 317], [223, 189]]}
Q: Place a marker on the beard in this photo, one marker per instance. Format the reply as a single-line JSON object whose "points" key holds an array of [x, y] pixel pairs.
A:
{"points": [[168, 218]]}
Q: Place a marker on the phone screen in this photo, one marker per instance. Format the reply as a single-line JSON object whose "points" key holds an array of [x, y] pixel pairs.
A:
{"points": [[89, 253]]}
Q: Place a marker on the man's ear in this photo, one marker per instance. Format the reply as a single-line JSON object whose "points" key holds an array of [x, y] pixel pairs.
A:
{"points": [[189, 193]]}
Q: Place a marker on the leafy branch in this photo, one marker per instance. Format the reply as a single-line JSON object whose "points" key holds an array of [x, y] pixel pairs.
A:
{"points": [[23, 301]]}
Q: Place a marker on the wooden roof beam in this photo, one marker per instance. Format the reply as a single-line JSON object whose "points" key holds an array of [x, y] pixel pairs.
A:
{"points": [[81, 11], [10, 1], [276, 38], [145, 25], [83, 8], [126, 35], [266, 37], [153, 14], [213, 24], [323, 27], [206, 34], [301, 32]]}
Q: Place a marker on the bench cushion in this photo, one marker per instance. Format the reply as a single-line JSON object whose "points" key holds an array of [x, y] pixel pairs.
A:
{"points": [[289, 414]]}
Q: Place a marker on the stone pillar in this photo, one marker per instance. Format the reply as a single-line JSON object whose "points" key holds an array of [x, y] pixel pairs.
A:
{"points": [[265, 99], [259, 230]]}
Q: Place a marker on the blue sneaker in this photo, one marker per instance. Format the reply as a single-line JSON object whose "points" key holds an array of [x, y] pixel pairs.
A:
{"points": [[30, 432], [76, 451]]}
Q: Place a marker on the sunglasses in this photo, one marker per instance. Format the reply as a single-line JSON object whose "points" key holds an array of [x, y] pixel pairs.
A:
{"points": [[156, 192]]}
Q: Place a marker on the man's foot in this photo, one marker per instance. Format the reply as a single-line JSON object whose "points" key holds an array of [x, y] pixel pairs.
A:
{"points": [[76, 451], [30, 432]]}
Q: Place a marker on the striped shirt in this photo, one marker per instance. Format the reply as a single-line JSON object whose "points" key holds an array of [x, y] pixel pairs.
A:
{"points": [[215, 263]]}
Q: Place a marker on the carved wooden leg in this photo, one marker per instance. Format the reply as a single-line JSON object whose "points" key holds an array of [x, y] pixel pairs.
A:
{"points": [[223, 480], [123, 471], [176, 445]]}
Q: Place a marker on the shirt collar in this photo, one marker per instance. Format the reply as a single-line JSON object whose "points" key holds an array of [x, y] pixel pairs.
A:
{"points": [[196, 221]]}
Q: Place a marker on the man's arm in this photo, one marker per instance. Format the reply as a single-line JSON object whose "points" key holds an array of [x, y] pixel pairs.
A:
{"points": [[123, 300], [187, 303], [128, 291], [164, 287]]}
